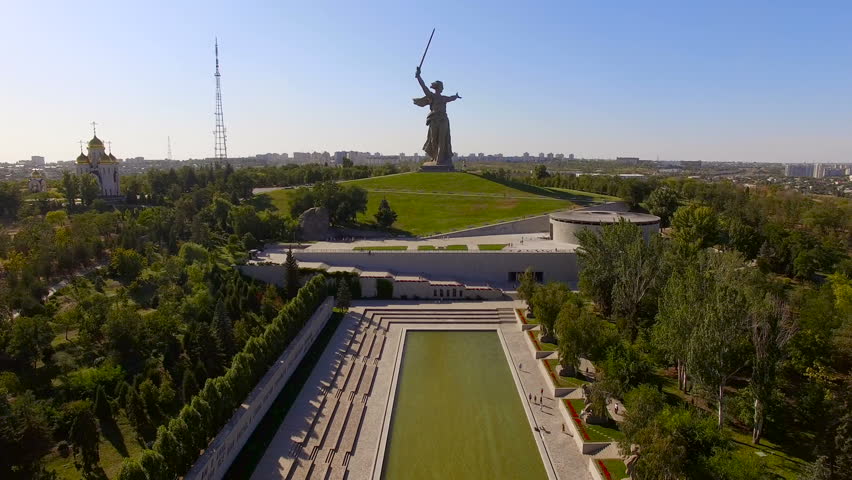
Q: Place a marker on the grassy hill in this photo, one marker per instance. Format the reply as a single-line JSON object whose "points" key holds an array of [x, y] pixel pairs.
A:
{"points": [[430, 203]]}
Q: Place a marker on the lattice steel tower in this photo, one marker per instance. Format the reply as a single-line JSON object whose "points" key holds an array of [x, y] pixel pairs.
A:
{"points": [[220, 148]]}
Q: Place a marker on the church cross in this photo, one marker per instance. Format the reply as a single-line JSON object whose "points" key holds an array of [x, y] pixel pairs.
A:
{"points": [[94, 128], [109, 144], [81, 146]]}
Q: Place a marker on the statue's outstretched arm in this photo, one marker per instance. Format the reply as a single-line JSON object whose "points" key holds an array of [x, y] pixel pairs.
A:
{"points": [[422, 84]]}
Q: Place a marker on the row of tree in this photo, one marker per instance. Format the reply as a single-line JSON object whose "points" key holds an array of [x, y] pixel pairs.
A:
{"points": [[178, 443]]}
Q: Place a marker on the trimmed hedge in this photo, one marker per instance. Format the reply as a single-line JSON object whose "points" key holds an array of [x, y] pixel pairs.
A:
{"points": [[211, 408]]}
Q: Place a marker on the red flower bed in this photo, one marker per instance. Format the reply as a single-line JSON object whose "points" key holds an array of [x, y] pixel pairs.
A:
{"points": [[522, 316], [582, 428], [552, 375], [534, 340], [570, 406], [604, 470]]}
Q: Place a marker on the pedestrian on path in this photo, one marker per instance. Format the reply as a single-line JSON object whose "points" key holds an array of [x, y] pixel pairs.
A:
{"points": [[563, 428], [616, 408], [530, 396], [542, 392], [520, 366]]}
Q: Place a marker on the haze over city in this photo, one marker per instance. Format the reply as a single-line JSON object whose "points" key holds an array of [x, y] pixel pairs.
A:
{"points": [[722, 82]]}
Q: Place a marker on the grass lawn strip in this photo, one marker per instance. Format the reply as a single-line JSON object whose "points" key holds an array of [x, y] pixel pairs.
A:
{"points": [[524, 319], [381, 247], [492, 246], [553, 367], [593, 433], [262, 436], [611, 469], [547, 347], [448, 247]]}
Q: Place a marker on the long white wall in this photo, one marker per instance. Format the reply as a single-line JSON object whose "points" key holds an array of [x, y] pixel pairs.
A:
{"points": [[216, 460], [470, 266]]}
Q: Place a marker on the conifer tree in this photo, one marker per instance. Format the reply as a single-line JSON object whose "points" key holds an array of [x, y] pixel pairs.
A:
{"points": [[291, 281], [190, 385], [131, 469], [168, 447], [102, 408], [385, 216], [344, 296], [223, 329], [153, 464]]}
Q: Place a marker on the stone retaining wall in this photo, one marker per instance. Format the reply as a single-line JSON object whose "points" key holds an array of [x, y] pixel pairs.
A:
{"points": [[217, 458]]}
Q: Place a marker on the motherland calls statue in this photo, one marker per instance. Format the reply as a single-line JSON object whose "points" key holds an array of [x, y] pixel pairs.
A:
{"points": [[438, 143]]}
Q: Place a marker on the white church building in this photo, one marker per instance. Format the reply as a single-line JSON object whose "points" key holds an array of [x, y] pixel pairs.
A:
{"points": [[103, 165]]}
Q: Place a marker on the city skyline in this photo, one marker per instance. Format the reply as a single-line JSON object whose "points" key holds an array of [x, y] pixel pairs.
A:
{"points": [[720, 83]]}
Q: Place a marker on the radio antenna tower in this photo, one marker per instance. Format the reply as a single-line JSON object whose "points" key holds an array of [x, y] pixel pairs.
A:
{"points": [[169, 154], [220, 149]]}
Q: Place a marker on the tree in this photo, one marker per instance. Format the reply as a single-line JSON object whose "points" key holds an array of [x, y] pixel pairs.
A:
{"points": [[168, 447], [30, 339], [527, 285], [385, 216], [131, 469], [641, 405], [291, 280], [25, 436], [695, 227], [126, 264], [85, 439], [89, 188], [580, 334], [718, 346], [102, 408], [69, 187], [772, 326], [153, 464], [663, 202], [346, 163], [540, 172], [344, 296], [620, 271], [546, 304], [136, 414], [223, 329], [189, 385]]}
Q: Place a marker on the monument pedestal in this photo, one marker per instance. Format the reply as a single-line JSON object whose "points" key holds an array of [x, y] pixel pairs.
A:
{"points": [[435, 167]]}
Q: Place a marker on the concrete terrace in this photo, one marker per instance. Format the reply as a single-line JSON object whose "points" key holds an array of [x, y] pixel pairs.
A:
{"points": [[334, 429], [527, 242]]}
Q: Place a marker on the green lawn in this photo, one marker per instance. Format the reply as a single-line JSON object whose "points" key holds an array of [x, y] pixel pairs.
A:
{"points": [[585, 199], [118, 441], [431, 203], [448, 247], [597, 433], [381, 247], [545, 347], [455, 183], [492, 246], [553, 365], [457, 413], [778, 459], [616, 468]]}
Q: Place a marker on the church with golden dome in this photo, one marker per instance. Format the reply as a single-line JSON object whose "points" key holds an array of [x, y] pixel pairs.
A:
{"points": [[103, 165]]}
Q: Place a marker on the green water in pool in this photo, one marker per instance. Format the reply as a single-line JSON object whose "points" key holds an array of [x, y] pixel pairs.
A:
{"points": [[457, 413]]}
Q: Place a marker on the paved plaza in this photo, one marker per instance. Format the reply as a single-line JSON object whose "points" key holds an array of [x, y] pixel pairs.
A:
{"points": [[334, 429]]}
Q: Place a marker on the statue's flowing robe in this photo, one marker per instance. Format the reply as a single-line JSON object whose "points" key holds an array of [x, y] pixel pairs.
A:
{"points": [[438, 143]]}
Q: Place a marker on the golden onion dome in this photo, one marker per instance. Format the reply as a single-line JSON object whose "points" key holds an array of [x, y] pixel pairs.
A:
{"points": [[82, 159], [96, 142], [36, 174]]}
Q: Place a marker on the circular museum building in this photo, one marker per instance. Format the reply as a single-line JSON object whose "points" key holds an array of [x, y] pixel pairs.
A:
{"points": [[564, 226]]}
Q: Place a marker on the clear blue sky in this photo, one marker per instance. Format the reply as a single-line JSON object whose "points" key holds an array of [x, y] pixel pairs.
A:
{"points": [[756, 80]]}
